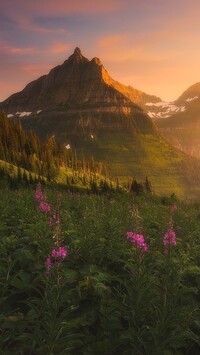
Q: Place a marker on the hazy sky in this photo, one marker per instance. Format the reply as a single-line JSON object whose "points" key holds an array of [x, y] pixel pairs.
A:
{"points": [[152, 45]]}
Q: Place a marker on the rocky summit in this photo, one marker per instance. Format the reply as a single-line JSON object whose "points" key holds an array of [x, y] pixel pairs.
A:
{"points": [[81, 105], [79, 96], [77, 82]]}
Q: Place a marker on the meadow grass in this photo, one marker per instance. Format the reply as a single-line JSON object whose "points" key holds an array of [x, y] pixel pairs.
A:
{"points": [[73, 283]]}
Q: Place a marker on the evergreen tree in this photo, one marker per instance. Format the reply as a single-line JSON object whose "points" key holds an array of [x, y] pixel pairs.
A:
{"points": [[147, 185], [136, 187]]}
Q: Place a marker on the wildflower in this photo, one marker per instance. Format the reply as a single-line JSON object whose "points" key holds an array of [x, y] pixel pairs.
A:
{"points": [[60, 252], [138, 240], [38, 195], [54, 220], [169, 238], [48, 263], [45, 207]]}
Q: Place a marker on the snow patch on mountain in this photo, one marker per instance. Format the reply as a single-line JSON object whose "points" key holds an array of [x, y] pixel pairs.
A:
{"points": [[191, 98], [23, 114], [163, 109]]}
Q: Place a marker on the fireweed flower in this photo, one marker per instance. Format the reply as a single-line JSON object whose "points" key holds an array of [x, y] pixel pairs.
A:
{"points": [[45, 207], [138, 240], [48, 263], [61, 252], [169, 238], [54, 220], [38, 195]]}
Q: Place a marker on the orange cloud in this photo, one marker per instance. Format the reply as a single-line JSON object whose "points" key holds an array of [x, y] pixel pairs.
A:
{"points": [[121, 48], [26, 51], [6, 49], [59, 47]]}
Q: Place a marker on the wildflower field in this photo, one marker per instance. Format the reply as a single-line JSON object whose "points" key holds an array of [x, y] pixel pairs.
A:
{"points": [[88, 274]]}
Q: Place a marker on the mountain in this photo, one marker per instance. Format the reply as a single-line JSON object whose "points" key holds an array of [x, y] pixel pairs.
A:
{"points": [[161, 109], [80, 104], [77, 82], [182, 129]]}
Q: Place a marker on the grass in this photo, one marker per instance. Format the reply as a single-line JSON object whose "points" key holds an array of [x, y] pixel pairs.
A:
{"points": [[129, 145], [106, 296]]}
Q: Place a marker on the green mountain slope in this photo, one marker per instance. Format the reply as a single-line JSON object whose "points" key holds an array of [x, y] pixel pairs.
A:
{"points": [[82, 106]]}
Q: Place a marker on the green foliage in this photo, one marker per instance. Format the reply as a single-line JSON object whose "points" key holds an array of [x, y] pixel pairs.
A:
{"points": [[107, 298], [24, 160]]}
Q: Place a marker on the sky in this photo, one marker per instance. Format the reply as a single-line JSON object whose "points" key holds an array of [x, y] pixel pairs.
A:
{"points": [[152, 45]]}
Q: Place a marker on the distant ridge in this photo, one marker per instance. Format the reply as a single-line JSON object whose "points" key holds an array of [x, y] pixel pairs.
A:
{"points": [[182, 129]]}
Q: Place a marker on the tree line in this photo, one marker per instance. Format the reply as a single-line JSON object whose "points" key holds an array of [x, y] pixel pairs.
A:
{"points": [[24, 149]]}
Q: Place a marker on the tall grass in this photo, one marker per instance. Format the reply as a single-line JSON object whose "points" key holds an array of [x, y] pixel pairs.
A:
{"points": [[107, 295]]}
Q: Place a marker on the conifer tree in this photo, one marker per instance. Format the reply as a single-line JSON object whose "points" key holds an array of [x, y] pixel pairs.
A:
{"points": [[147, 185]]}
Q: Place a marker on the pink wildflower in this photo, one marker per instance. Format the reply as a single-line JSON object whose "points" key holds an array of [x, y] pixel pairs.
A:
{"points": [[60, 252], [138, 240], [54, 220], [48, 263], [38, 195], [169, 238], [45, 207]]}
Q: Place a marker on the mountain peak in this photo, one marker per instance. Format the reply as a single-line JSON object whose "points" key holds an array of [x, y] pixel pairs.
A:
{"points": [[77, 56], [96, 61], [77, 52]]}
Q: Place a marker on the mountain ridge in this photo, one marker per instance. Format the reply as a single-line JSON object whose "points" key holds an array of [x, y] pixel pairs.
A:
{"points": [[81, 71], [182, 129], [80, 104]]}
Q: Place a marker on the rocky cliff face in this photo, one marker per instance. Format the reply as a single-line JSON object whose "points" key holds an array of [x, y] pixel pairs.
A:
{"points": [[77, 82], [77, 88]]}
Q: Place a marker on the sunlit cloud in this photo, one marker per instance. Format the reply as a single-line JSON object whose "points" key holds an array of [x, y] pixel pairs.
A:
{"points": [[20, 51], [123, 48], [7, 50], [59, 48]]}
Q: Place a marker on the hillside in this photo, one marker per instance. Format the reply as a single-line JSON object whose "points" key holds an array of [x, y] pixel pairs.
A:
{"points": [[82, 106], [25, 161]]}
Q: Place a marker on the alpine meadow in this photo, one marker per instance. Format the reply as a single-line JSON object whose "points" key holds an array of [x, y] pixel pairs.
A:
{"points": [[99, 180]]}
